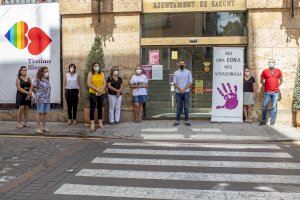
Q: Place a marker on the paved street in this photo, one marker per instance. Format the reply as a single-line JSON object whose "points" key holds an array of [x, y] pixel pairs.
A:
{"points": [[159, 168]]}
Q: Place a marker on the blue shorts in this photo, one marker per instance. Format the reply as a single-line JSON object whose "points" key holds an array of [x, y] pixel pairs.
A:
{"points": [[140, 99], [43, 107]]}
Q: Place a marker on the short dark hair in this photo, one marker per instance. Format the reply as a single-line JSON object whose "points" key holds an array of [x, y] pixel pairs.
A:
{"points": [[72, 65], [92, 70]]}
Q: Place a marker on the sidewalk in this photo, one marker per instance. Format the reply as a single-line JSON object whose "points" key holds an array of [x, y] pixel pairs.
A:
{"points": [[163, 130]]}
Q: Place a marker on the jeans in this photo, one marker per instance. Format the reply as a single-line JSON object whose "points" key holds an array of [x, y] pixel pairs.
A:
{"points": [[72, 102], [96, 101], [183, 101], [273, 97], [114, 108]]}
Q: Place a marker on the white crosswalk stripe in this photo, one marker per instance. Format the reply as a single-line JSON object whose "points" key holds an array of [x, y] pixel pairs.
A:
{"points": [[190, 176], [130, 163], [197, 137], [171, 194], [196, 163], [202, 145], [198, 153]]}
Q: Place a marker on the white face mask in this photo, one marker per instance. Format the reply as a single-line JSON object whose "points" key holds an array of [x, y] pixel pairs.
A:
{"points": [[72, 69], [138, 71], [46, 75], [271, 65], [116, 73], [96, 69]]}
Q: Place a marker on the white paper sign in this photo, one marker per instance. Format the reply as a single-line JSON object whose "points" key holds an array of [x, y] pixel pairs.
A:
{"points": [[157, 72], [29, 36], [227, 105]]}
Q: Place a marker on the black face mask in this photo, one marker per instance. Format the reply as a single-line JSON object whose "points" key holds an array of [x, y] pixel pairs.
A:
{"points": [[181, 66]]}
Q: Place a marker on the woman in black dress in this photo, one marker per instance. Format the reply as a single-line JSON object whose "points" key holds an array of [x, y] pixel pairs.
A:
{"points": [[23, 98]]}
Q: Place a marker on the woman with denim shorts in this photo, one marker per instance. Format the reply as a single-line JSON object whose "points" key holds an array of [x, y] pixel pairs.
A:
{"points": [[42, 91], [139, 84]]}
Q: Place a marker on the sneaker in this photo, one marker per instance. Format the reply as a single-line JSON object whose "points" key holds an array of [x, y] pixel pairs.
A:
{"points": [[117, 123], [262, 123], [176, 124], [188, 124]]}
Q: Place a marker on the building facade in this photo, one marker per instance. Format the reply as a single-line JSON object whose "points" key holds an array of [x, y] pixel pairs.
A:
{"points": [[132, 30]]}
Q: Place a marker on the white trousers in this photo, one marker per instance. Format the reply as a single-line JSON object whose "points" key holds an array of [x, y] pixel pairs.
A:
{"points": [[114, 108]]}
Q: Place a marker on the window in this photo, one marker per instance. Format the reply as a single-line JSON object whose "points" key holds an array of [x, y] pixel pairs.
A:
{"points": [[194, 24]]}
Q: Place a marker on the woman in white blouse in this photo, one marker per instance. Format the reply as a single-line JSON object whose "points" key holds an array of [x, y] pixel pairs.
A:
{"points": [[72, 93]]}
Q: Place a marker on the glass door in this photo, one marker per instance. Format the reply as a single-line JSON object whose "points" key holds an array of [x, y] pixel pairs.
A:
{"points": [[162, 102]]}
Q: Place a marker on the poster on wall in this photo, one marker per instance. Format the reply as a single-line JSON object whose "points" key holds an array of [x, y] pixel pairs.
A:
{"points": [[157, 72], [147, 70], [29, 36], [154, 57], [227, 99]]}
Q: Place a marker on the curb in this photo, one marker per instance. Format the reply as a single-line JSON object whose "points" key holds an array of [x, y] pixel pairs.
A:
{"points": [[130, 138]]}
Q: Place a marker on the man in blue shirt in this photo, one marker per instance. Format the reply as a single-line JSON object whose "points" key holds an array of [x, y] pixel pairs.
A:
{"points": [[183, 81]]}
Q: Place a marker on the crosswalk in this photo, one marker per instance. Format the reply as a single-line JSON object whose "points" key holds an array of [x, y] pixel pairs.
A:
{"points": [[188, 171]]}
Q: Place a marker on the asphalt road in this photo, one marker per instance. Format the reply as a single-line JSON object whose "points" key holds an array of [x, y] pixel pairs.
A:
{"points": [[65, 169]]}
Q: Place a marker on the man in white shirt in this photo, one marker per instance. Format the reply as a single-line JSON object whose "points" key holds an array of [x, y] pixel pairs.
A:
{"points": [[183, 80]]}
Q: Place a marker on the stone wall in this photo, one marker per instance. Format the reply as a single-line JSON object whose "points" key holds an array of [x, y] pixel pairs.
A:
{"points": [[273, 33], [119, 27]]}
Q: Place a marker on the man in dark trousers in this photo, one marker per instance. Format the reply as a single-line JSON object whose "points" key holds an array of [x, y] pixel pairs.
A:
{"points": [[183, 81]]}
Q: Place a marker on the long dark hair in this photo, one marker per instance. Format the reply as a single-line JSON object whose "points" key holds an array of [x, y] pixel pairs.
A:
{"points": [[19, 73], [93, 71], [21, 68]]}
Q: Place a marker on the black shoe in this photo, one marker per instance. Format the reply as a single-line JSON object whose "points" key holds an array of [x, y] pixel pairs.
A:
{"points": [[262, 123], [188, 124], [176, 124], [117, 123], [272, 123]]}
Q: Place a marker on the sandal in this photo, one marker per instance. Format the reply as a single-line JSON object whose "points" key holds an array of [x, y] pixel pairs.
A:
{"points": [[39, 131], [46, 130], [26, 125], [19, 126]]}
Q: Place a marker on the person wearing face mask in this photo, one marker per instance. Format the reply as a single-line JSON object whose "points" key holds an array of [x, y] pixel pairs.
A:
{"points": [[183, 81], [139, 84], [114, 84], [249, 94], [23, 97], [271, 79], [97, 85], [42, 93], [72, 92]]}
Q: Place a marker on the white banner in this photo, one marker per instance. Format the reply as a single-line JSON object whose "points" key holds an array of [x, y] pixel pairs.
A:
{"points": [[30, 36], [228, 70]]}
